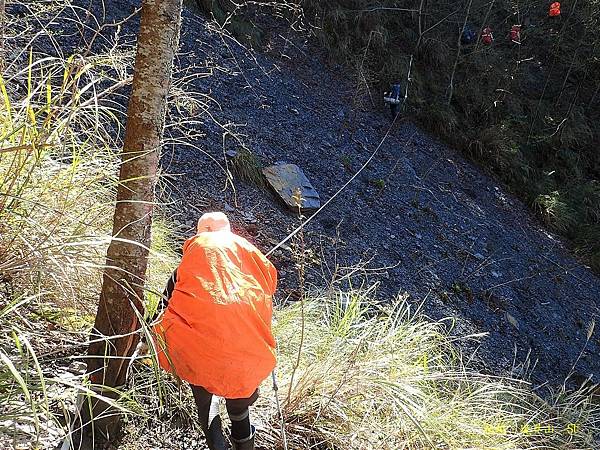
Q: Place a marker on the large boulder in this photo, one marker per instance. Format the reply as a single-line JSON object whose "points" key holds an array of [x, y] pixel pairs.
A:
{"points": [[290, 183]]}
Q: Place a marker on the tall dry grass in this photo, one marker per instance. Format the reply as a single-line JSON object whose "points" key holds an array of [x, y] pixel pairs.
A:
{"points": [[60, 138], [374, 377], [368, 377], [388, 378]]}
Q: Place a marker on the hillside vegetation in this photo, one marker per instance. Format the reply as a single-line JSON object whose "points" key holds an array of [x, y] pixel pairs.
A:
{"points": [[353, 374], [528, 112]]}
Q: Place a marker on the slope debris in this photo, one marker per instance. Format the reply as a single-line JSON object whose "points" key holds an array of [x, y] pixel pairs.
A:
{"points": [[419, 217], [426, 220]]}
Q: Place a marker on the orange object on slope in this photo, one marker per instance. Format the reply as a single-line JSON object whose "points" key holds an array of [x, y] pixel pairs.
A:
{"points": [[216, 330], [486, 36], [515, 34], [554, 9]]}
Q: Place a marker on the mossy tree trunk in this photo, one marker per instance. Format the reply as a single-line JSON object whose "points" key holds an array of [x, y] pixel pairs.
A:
{"points": [[115, 333]]}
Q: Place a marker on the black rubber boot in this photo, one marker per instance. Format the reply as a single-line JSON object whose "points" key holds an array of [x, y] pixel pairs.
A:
{"points": [[208, 416], [245, 444], [214, 435]]}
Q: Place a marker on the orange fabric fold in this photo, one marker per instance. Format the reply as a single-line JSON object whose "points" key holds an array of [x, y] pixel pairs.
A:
{"points": [[216, 331]]}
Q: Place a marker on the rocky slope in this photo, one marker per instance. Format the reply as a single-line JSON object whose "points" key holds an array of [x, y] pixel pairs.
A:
{"points": [[424, 220]]}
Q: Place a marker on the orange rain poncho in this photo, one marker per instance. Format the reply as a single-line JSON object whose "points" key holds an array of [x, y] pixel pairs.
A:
{"points": [[486, 36], [554, 9], [216, 331]]}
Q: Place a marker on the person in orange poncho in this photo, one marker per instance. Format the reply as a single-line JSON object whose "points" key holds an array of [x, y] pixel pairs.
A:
{"points": [[216, 330]]}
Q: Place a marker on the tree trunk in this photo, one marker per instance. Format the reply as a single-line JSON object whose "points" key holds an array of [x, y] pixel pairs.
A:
{"points": [[115, 336]]}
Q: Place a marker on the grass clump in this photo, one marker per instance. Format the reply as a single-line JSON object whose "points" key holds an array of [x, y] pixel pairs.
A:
{"points": [[386, 377], [247, 167], [353, 374], [56, 183]]}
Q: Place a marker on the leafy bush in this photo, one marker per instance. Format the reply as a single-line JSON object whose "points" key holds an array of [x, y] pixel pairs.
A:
{"points": [[523, 111]]}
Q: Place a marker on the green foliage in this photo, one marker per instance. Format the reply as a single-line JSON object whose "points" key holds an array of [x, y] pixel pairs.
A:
{"points": [[555, 211], [523, 111], [227, 15], [379, 183]]}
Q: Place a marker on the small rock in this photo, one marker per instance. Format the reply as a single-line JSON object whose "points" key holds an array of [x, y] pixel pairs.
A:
{"points": [[231, 153], [77, 367], [479, 256], [249, 217], [512, 320], [418, 236], [288, 181], [228, 208], [496, 274]]}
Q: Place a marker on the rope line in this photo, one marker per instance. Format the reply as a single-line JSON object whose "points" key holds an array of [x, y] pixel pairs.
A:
{"points": [[296, 231], [339, 191]]}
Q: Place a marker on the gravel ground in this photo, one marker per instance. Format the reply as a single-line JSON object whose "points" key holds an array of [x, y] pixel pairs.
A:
{"points": [[440, 229]]}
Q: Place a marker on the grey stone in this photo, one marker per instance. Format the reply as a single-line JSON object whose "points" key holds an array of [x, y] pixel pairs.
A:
{"points": [[77, 367], [288, 181], [514, 322], [250, 217], [228, 208]]}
